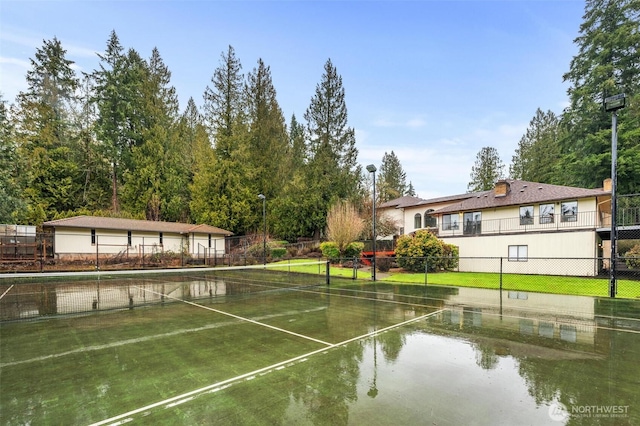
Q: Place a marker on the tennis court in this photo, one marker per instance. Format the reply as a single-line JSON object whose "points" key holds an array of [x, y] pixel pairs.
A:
{"points": [[267, 347]]}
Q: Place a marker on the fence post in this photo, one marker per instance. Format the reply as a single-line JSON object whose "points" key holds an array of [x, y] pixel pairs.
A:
{"points": [[327, 274], [501, 277], [97, 253], [355, 268], [426, 269]]}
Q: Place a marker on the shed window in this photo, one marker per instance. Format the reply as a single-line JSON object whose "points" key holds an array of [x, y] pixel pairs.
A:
{"points": [[129, 238], [93, 237], [569, 211], [209, 240], [160, 237]]}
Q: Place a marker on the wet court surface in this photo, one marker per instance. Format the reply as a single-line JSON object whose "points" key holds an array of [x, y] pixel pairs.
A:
{"points": [[366, 354]]}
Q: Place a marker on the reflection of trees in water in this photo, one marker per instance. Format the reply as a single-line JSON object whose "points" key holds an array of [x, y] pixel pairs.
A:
{"points": [[391, 344], [611, 380], [328, 387], [486, 356]]}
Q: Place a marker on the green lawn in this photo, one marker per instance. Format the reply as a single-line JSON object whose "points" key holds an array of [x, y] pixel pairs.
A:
{"points": [[583, 286]]}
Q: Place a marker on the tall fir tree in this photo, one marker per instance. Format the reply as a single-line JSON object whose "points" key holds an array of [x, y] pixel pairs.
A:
{"points": [[46, 136], [606, 64], [486, 171], [392, 179], [11, 202], [220, 194], [538, 151], [333, 170], [268, 138]]}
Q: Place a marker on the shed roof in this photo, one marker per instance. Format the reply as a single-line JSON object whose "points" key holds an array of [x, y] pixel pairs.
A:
{"points": [[97, 222]]}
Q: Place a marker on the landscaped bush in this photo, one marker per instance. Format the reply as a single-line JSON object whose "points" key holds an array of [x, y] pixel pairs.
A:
{"points": [[383, 263], [632, 257], [330, 251], [278, 252], [413, 251], [353, 249]]}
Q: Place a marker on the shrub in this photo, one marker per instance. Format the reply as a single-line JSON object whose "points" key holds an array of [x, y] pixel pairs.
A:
{"points": [[412, 252], [632, 257], [383, 263], [278, 252], [330, 251], [353, 249]]}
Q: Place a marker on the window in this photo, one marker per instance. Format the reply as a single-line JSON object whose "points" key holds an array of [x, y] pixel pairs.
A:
{"points": [[209, 240], [128, 238], [546, 213], [526, 215], [449, 222], [417, 221], [518, 253], [160, 236], [569, 211], [472, 222], [93, 237], [430, 221]]}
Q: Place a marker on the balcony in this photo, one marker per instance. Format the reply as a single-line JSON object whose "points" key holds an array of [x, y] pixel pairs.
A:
{"points": [[582, 220]]}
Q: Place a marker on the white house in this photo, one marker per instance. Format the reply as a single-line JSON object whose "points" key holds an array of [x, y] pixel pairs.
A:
{"points": [[83, 236], [517, 221]]}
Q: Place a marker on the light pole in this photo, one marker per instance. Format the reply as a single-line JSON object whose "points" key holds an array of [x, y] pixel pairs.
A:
{"points": [[613, 104], [264, 224], [372, 169]]}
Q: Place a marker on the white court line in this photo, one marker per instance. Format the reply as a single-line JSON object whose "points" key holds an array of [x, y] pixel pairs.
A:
{"points": [[122, 418], [7, 291], [238, 317]]}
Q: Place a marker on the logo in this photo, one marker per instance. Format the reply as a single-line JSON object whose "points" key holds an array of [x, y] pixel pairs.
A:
{"points": [[558, 412]]}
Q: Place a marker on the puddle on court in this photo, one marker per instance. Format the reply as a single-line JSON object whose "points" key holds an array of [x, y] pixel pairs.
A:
{"points": [[462, 356]]}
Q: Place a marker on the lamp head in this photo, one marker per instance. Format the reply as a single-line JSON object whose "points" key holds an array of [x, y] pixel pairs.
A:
{"points": [[371, 168], [261, 196]]}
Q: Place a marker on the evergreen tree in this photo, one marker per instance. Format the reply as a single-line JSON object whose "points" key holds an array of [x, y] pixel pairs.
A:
{"points": [[538, 150], [487, 170], [220, 194], [606, 64], [411, 192], [10, 189], [268, 138], [118, 95], [46, 137], [333, 170], [392, 179]]}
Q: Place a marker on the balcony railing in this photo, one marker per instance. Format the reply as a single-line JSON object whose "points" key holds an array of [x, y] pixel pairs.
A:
{"points": [[581, 220]]}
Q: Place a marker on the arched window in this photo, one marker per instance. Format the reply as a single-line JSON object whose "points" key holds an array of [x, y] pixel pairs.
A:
{"points": [[430, 221], [417, 221]]}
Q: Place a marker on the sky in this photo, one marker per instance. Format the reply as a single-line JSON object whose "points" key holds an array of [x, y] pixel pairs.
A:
{"points": [[432, 81]]}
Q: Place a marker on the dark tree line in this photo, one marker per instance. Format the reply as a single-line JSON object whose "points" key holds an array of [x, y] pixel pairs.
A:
{"points": [[115, 142]]}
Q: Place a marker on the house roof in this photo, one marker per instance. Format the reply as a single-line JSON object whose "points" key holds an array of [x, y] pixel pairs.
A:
{"points": [[94, 222], [522, 193], [408, 201]]}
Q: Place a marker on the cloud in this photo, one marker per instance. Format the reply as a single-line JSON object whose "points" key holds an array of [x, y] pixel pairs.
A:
{"points": [[412, 123], [15, 61]]}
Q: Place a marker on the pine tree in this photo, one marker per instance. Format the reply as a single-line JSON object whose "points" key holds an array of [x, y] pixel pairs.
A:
{"points": [[10, 189], [487, 170], [333, 170], [267, 133], [606, 64], [46, 137], [538, 150], [391, 178]]}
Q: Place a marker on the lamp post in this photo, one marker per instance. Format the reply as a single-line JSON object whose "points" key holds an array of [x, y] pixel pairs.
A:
{"points": [[613, 104], [264, 230], [372, 169]]}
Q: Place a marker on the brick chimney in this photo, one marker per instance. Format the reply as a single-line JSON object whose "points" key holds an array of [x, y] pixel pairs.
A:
{"points": [[502, 188], [606, 185]]}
